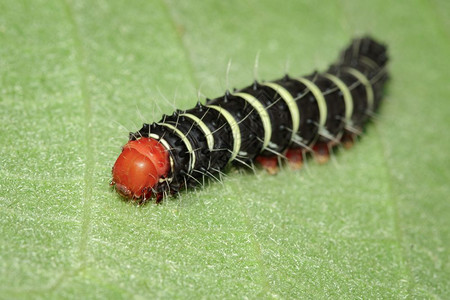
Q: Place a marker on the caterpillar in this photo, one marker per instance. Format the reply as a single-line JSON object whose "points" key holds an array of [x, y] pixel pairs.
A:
{"points": [[288, 117]]}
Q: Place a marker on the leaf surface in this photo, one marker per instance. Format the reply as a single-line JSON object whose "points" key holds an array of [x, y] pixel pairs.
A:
{"points": [[76, 76]]}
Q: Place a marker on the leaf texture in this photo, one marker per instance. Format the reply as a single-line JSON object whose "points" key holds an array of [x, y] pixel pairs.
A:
{"points": [[76, 76]]}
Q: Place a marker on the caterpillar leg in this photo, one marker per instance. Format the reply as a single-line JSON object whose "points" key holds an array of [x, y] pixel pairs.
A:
{"points": [[348, 140], [295, 157], [269, 163], [321, 152], [159, 198]]}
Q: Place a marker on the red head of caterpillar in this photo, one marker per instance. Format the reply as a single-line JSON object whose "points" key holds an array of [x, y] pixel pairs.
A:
{"points": [[264, 121], [139, 167]]}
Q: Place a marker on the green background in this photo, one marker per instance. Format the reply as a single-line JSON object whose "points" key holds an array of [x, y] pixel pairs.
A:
{"points": [[76, 76]]}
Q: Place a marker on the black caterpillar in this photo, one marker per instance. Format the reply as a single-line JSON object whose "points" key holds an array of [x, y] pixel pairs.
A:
{"points": [[267, 118]]}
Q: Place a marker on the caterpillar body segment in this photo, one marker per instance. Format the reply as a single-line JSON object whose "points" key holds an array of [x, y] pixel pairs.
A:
{"points": [[285, 118]]}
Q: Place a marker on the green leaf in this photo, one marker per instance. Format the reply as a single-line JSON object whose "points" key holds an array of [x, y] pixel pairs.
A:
{"points": [[76, 76]]}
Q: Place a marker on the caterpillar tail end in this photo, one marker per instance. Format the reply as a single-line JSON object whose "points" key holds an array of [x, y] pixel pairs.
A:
{"points": [[139, 167]]}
